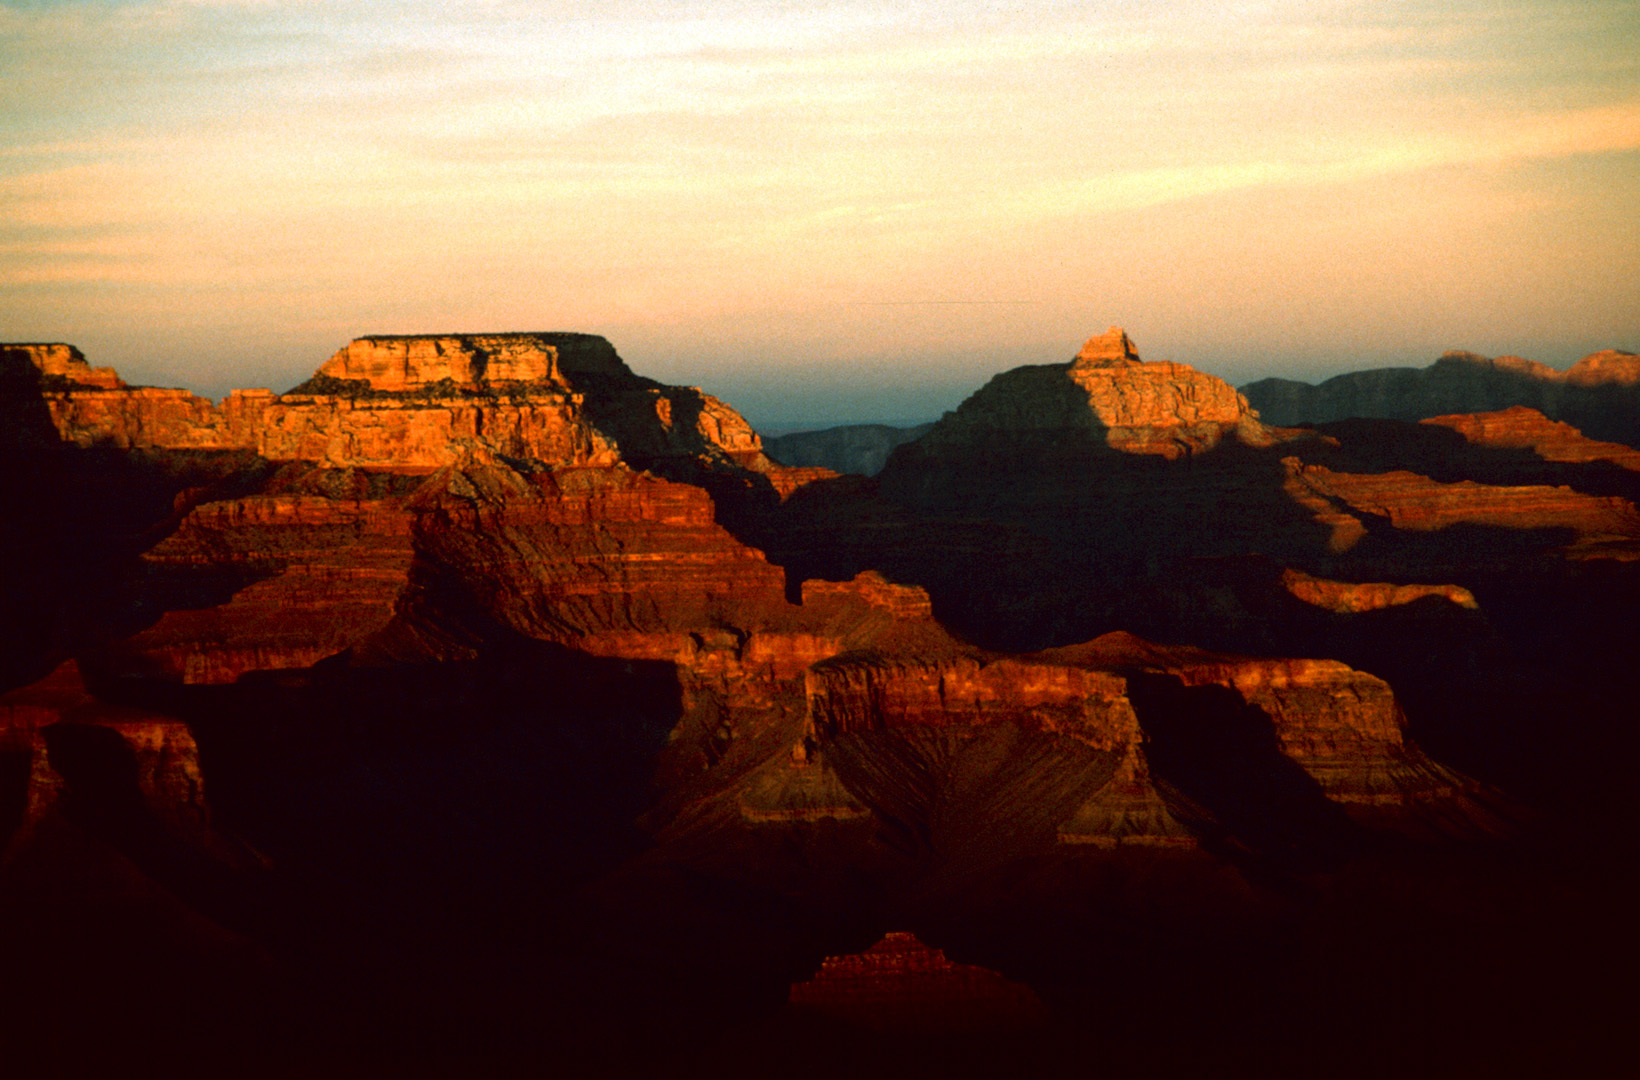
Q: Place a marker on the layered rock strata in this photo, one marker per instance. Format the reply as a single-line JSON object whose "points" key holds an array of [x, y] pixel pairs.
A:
{"points": [[1154, 745], [1521, 428], [1108, 395], [410, 403], [61, 366], [44, 729]]}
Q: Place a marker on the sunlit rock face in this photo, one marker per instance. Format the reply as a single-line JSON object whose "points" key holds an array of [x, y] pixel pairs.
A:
{"points": [[1521, 428], [410, 362], [61, 362], [411, 403], [1107, 395]]}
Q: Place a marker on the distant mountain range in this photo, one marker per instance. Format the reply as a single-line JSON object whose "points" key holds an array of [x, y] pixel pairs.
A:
{"points": [[853, 448], [1599, 395]]}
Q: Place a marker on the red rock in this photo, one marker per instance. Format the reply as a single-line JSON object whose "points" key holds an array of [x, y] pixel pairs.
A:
{"points": [[1108, 394], [1417, 503], [167, 757], [902, 985], [62, 362], [1356, 597], [422, 399], [1609, 366], [1519, 427]]}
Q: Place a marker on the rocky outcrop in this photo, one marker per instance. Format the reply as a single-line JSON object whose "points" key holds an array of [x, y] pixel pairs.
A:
{"points": [[1598, 395], [1521, 428], [1108, 396], [1149, 745], [62, 366], [400, 363], [1343, 597], [57, 724], [410, 403], [304, 568], [1347, 503]]}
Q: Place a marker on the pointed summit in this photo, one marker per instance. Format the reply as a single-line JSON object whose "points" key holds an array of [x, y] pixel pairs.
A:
{"points": [[1113, 346]]}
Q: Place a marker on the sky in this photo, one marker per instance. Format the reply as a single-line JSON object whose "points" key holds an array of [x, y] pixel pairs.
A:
{"points": [[823, 212]]}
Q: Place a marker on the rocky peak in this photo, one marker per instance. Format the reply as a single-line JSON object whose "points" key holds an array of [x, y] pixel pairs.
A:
{"points": [[1111, 347], [1107, 391]]}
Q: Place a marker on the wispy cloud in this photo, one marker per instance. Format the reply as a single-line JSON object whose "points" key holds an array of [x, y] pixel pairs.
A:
{"points": [[729, 157]]}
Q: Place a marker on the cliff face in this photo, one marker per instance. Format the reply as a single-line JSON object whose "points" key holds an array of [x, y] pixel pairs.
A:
{"points": [[1105, 395], [1521, 428], [514, 665], [1120, 715], [414, 362], [62, 365], [1597, 394], [410, 403], [47, 725]]}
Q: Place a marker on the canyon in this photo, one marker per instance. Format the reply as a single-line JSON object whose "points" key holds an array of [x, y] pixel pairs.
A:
{"points": [[481, 692]]}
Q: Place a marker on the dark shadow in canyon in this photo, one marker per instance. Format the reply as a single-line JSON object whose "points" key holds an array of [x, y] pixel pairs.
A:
{"points": [[1444, 455], [961, 804], [72, 522], [428, 825], [1222, 753], [1029, 543]]}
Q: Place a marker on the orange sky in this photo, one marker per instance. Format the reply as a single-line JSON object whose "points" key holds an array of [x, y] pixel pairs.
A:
{"points": [[822, 211]]}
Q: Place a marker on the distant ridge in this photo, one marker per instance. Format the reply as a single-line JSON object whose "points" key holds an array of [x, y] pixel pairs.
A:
{"points": [[852, 448], [1599, 395]]}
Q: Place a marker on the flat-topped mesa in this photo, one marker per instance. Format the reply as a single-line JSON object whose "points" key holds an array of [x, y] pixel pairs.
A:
{"points": [[413, 361], [61, 364], [1107, 391], [406, 403]]}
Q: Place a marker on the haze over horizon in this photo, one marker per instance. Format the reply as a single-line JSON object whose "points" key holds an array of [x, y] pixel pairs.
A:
{"points": [[822, 213]]}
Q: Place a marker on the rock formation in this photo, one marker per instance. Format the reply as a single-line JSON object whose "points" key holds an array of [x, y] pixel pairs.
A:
{"points": [[1109, 395], [1597, 394], [409, 403], [479, 679], [61, 366]]}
